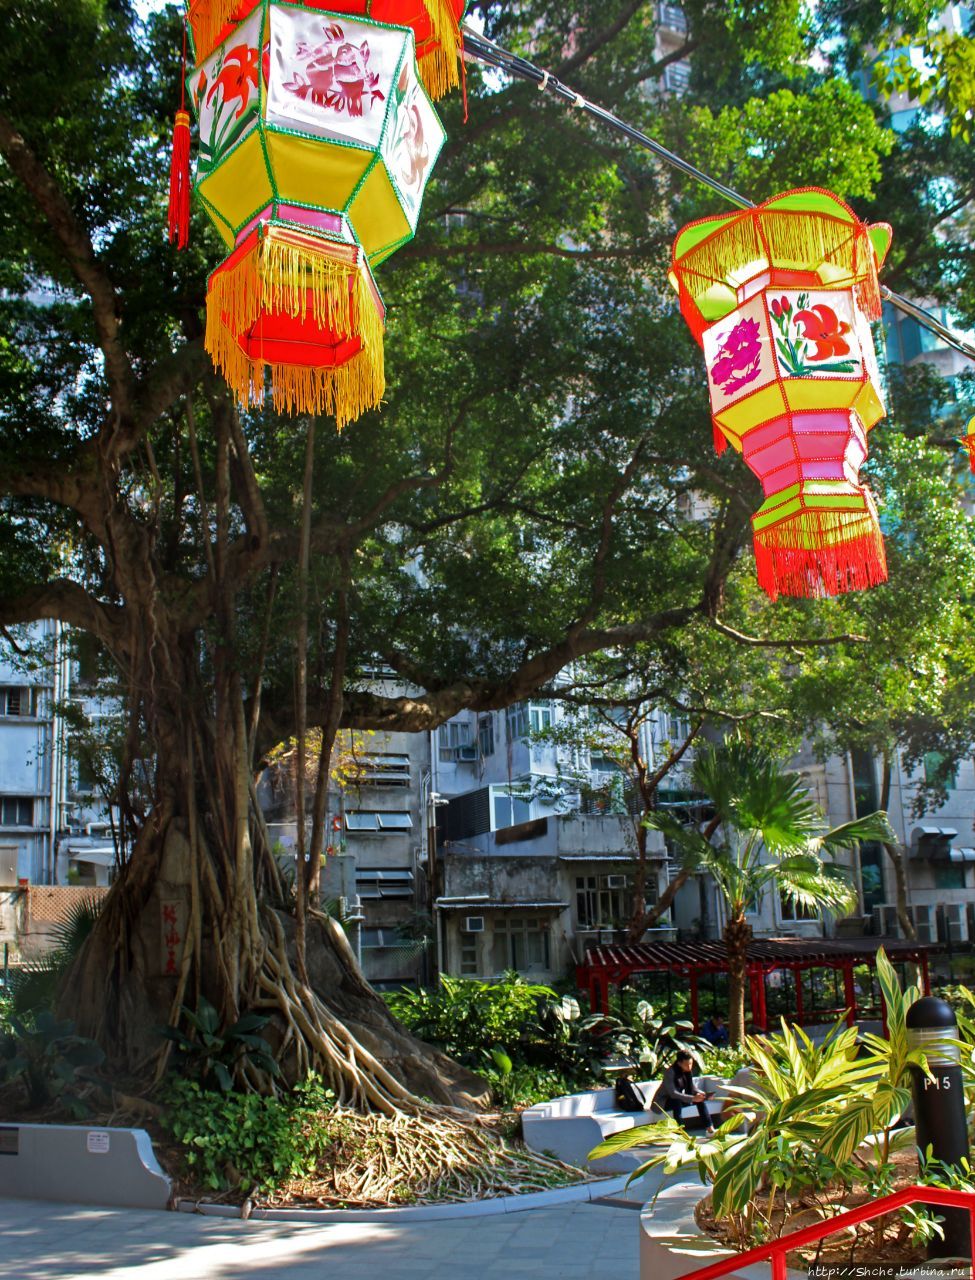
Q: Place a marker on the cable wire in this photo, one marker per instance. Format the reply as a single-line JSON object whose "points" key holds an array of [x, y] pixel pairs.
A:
{"points": [[485, 50]]}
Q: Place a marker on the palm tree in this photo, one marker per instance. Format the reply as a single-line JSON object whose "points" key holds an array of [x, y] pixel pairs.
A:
{"points": [[765, 830]]}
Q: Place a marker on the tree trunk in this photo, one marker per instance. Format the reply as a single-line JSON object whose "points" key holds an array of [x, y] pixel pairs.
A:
{"points": [[737, 935], [199, 910], [896, 856]]}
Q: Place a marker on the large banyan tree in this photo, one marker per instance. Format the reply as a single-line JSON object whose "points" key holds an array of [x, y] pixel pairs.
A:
{"points": [[538, 488]]}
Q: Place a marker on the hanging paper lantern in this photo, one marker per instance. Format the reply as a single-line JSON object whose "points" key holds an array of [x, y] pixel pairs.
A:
{"points": [[316, 143], [969, 442], [435, 25], [780, 297]]}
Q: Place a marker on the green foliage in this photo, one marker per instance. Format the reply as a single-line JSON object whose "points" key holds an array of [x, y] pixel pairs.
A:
{"points": [[722, 1060], [214, 1053], [48, 1059], [463, 1015], [249, 1140], [799, 1125]]}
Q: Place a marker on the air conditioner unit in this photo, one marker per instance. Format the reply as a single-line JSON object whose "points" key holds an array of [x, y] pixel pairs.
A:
{"points": [[925, 922], [467, 755], [885, 922], [614, 882], [473, 924], [954, 917]]}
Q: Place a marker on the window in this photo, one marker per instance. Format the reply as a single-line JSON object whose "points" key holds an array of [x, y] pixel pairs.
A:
{"points": [[86, 780], [16, 811], [754, 907], [485, 736], [16, 701], [380, 769], [371, 820], [677, 77], [381, 939], [678, 727], [510, 809], [791, 910], [934, 770], [468, 955], [455, 735], [516, 721], [378, 883], [949, 877], [540, 716], [598, 905], [521, 943]]}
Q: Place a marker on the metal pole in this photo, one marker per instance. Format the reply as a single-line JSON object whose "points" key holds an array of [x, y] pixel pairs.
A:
{"points": [[939, 1110], [480, 47]]}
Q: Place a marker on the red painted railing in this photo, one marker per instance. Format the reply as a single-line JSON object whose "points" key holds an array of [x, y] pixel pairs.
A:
{"points": [[775, 1251]]}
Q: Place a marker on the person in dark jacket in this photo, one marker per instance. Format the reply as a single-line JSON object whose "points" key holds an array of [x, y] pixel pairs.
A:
{"points": [[678, 1090], [715, 1031]]}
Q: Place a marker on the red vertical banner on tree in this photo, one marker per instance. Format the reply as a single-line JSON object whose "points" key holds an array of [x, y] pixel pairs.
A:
{"points": [[780, 298]]}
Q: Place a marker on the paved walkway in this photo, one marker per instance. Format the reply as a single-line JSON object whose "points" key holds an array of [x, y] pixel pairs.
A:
{"points": [[582, 1241]]}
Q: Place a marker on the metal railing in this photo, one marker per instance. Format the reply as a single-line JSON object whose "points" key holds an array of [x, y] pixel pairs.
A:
{"points": [[775, 1251]]}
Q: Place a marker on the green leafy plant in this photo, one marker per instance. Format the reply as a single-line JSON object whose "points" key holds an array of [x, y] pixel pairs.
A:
{"points": [[800, 1126], [48, 1059], [246, 1139], [215, 1053]]}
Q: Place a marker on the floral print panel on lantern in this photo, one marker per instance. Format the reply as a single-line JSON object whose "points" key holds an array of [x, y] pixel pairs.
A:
{"points": [[226, 95]]}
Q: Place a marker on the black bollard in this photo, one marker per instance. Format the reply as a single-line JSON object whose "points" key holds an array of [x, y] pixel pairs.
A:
{"points": [[939, 1111]]}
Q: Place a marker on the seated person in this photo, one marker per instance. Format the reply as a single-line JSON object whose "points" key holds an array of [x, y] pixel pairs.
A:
{"points": [[678, 1090], [715, 1031]]}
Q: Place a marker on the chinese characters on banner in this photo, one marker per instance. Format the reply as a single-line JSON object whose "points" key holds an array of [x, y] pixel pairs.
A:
{"points": [[173, 936]]}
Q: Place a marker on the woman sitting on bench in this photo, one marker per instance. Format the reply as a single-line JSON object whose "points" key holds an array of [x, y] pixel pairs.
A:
{"points": [[678, 1090]]}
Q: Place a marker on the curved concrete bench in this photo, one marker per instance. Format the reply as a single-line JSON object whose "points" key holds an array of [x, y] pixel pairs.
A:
{"points": [[81, 1165], [571, 1126]]}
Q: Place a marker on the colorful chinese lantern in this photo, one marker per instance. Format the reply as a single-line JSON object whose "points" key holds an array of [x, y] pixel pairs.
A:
{"points": [[435, 25], [317, 139], [780, 297], [968, 441]]}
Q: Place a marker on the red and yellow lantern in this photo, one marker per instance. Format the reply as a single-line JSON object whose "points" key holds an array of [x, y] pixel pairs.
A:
{"points": [[780, 297], [317, 138]]}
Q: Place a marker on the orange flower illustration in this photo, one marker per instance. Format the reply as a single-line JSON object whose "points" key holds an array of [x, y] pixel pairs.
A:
{"points": [[238, 73], [822, 326]]}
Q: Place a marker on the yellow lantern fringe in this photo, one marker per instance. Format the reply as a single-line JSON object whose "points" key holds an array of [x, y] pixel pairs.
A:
{"points": [[279, 276], [791, 240], [208, 18], [440, 68]]}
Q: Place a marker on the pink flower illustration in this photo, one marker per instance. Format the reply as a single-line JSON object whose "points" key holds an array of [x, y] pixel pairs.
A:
{"points": [[739, 358]]}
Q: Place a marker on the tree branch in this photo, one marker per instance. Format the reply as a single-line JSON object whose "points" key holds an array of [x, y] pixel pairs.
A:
{"points": [[79, 254], [763, 642], [66, 601]]}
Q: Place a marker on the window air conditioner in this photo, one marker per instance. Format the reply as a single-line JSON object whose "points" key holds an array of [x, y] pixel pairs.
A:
{"points": [[467, 755], [885, 923], [614, 882], [955, 921], [925, 925], [473, 924]]}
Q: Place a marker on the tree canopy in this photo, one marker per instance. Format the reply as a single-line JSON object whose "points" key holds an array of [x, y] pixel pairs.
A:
{"points": [[540, 485]]}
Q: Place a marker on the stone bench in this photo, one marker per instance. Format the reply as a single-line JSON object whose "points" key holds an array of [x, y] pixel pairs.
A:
{"points": [[82, 1165], [571, 1126]]}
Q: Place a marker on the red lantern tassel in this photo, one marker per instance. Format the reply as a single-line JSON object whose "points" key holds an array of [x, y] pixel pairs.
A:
{"points": [[720, 439], [179, 182]]}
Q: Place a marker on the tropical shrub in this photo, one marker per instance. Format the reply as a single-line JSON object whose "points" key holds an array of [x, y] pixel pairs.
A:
{"points": [[465, 1015], [215, 1053], [48, 1059]]}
